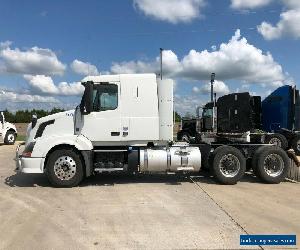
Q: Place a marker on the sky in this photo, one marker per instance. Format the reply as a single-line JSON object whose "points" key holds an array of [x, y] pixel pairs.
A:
{"points": [[48, 47]]}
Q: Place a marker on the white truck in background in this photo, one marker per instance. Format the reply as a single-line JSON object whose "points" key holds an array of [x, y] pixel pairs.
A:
{"points": [[8, 131], [125, 123]]}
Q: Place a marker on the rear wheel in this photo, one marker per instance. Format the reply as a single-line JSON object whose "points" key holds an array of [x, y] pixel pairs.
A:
{"points": [[277, 140], [271, 164], [10, 138], [255, 157], [64, 168], [229, 165]]}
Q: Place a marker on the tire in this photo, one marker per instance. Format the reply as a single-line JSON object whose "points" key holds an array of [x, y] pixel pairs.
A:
{"points": [[255, 157], [278, 140], [10, 138], [223, 156], [295, 145], [64, 168], [272, 164]]}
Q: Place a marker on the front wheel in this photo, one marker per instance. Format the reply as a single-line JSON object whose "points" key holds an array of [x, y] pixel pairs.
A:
{"points": [[64, 168], [229, 165], [10, 138], [271, 164]]}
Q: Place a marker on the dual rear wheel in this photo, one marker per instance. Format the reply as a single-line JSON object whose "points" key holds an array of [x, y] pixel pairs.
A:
{"points": [[269, 163]]}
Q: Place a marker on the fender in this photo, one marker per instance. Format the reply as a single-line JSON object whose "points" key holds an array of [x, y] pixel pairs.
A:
{"points": [[8, 128], [44, 144]]}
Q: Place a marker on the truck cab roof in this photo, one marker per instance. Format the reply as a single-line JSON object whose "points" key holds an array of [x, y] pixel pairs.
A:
{"points": [[116, 78]]}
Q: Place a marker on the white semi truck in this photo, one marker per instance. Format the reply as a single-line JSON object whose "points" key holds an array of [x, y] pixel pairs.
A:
{"points": [[8, 131], [125, 123]]}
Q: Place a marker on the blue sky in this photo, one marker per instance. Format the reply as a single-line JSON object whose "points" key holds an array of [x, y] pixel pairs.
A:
{"points": [[48, 46]]}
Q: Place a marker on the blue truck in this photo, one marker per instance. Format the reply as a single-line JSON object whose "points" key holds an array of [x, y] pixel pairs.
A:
{"points": [[281, 116], [241, 117]]}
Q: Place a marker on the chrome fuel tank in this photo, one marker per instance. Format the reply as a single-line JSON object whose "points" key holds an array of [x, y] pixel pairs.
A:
{"points": [[173, 159]]}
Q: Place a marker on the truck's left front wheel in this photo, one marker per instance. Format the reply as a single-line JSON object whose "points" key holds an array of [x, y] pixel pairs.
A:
{"points": [[64, 168]]}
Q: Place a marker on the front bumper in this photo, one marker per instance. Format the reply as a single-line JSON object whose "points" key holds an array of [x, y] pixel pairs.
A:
{"points": [[28, 164]]}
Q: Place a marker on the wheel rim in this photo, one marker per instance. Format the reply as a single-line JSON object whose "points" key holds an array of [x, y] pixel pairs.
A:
{"points": [[10, 138], [229, 165], [275, 141], [274, 165], [65, 168]]}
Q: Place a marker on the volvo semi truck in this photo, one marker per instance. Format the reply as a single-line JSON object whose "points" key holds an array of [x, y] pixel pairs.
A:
{"points": [[124, 123]]}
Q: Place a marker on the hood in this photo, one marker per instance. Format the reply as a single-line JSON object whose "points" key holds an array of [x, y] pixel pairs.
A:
{"points": [[63, 125], [69, 113]]}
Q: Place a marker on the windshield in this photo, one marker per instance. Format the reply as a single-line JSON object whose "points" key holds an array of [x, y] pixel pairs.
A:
{"points": [[207, 113]]}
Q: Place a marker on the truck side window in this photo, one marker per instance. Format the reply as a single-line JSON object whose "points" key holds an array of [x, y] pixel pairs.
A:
{"points": [[105, 97]]}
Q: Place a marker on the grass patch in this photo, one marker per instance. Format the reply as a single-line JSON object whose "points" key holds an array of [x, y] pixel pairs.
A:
{"points": [[21, 137]]}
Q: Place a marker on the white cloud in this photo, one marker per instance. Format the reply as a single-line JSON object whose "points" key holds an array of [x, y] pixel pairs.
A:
{"points": [[9, 96], [188, 103], [131, 67], [42, 84], [84, 68], [236, 59], [249, 4], [5, 44], [32, 61], [220, 88], [288, 25], [172, 11]]}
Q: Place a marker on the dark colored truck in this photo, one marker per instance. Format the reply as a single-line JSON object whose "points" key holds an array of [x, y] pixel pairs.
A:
{"points": [[240, 117]]}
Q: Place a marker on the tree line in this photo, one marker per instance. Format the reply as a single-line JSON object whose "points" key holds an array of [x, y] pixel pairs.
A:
{"points": [[25, 116]]}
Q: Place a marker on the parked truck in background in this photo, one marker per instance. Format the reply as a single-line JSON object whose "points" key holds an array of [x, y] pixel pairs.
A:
{"points": [[124, 123], [281, 115], [240, 116], [8, 131]]}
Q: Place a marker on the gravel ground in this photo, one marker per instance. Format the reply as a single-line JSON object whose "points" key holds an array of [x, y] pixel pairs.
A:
{"points": [[140, 212]]}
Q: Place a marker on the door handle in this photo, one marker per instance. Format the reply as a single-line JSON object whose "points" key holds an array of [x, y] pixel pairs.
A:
{"points": [[115, 133]]}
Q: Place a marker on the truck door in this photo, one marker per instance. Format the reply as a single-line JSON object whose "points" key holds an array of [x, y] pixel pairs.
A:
{"points": [[103, 123]]}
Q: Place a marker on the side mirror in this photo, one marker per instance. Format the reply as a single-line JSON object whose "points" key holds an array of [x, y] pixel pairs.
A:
{"points": [[86, 105]]}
